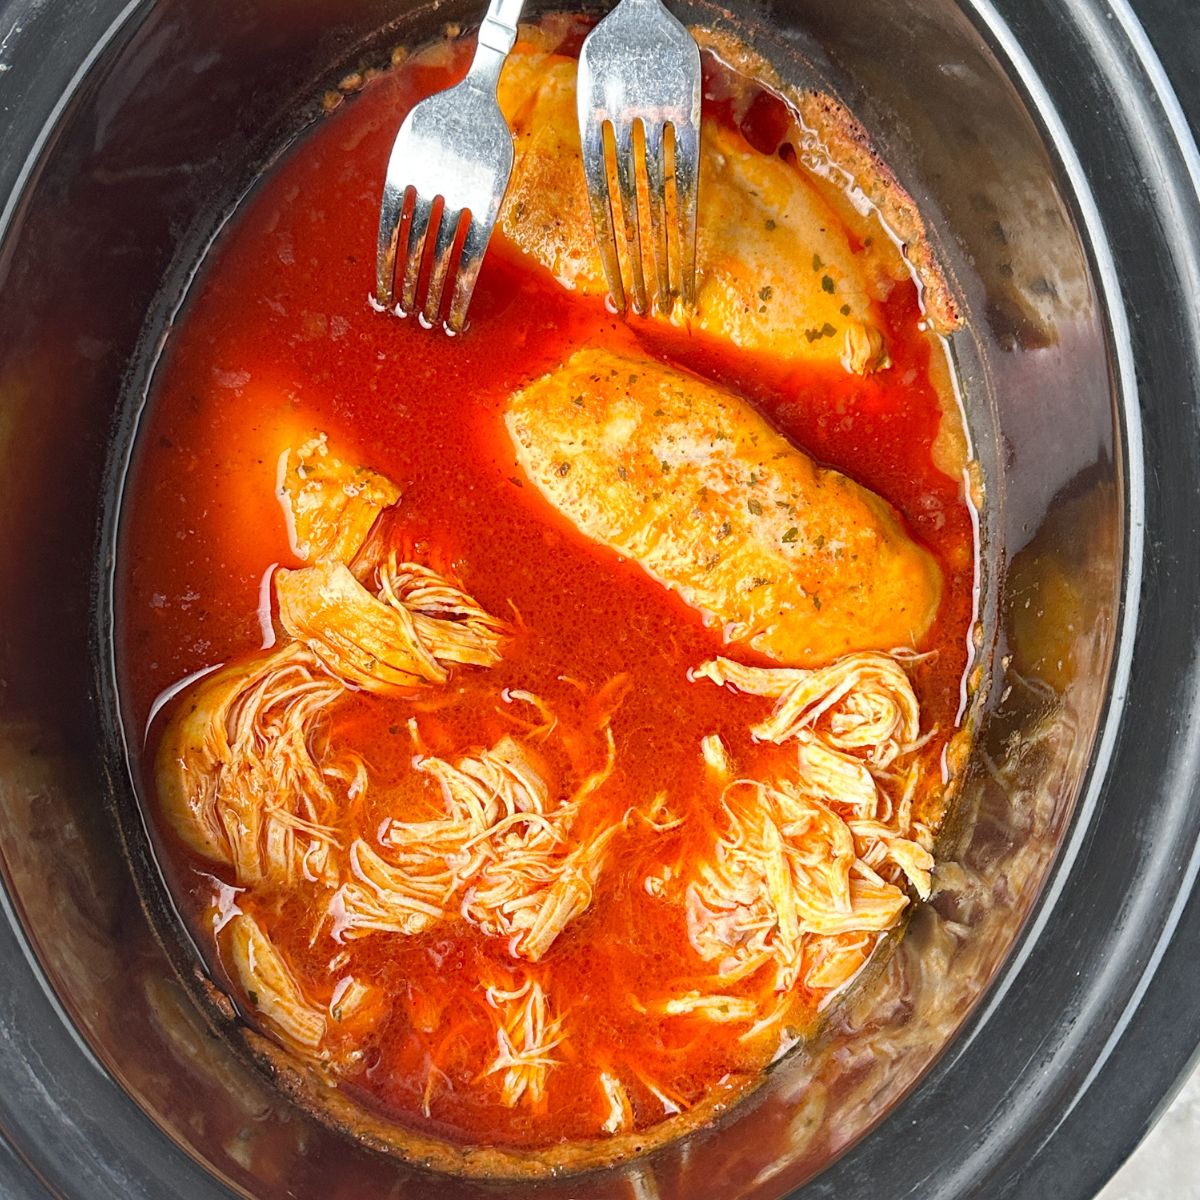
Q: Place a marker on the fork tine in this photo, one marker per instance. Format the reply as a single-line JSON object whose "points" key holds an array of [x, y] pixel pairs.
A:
{"points": [[390, 213], [656, 178], [443, 248], [415, 250], [627, 183], [595, 165], [686, 169], [470, 259]]}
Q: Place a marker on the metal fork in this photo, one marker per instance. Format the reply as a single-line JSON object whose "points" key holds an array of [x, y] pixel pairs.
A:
{"points": [[454, 153], [641, 66]]}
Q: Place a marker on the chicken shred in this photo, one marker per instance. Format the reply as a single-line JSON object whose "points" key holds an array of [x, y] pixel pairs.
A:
{"points": [[500, 855], [526, 1037], [271, 987], [782, 870], [401, 639], [807, 873], [620, 1111], [864, 702]]}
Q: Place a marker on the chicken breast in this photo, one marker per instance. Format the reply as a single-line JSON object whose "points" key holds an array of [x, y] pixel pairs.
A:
{"points": [[776, 272], [788, 558]]}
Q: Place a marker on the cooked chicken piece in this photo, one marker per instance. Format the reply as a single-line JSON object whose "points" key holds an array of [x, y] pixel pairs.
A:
{"points": [[851, 722], [383, 898], [784, 873], [793, 560], [526, 1037], [775, 271], [241, 772], [503, 854], [712, 1006], [271, 987], [863, 703], [618, 1110], [394, 641], [329, 505]]}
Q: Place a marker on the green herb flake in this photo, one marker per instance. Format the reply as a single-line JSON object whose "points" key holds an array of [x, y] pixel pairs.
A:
{"points": [[622, 473], [820, 542], [827, 284], [828, 330], [725, 530], [765, 293], [666, 466], [816, 602], [817, 263], [754, 507], [844, 310], [770, 225], [791, 535], [577, 401]]}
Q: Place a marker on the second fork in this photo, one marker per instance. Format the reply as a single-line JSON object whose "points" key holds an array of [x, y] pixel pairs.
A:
{"points": [[641, 67]]}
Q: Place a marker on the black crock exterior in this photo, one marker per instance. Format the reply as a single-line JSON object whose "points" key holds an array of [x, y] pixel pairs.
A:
{"points": [[1095, 1018]]}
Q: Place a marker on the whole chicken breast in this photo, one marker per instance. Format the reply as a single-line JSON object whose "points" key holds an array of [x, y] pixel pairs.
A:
{"points": [[791, 559]]}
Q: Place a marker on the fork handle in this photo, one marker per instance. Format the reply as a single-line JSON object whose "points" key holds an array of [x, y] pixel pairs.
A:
{"points": [[497, 36]]}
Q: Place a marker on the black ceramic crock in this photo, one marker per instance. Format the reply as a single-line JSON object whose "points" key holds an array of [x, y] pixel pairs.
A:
{"points": [[1043, 1007]]}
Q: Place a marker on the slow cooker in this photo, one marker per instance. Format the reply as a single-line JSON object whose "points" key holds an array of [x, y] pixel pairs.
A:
{"points": [[1040, 1009]]}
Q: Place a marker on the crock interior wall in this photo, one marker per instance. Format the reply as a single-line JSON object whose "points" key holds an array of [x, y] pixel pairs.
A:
{"points": [[155, 148]]}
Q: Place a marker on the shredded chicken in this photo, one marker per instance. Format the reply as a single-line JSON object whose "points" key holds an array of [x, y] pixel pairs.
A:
{"points": [[271, 987], [620, 1111], [395, 641], [526, 1037], [711, 1005], [716, 756], [353, 1000], [501, 855], [445, 618], [807, 873], [784, 868], [329, 505], [851, 722], [382, 898], [864, 703], [244, 773]]}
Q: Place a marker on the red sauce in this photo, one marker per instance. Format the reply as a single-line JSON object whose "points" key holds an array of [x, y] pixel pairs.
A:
{"points": [[278, 341]]}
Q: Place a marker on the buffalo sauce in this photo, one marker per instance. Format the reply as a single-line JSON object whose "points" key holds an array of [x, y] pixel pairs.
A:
{"points": [[278, 341]]}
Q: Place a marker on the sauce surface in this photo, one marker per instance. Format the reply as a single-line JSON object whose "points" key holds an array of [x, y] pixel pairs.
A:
{"points": [[278, 342]]}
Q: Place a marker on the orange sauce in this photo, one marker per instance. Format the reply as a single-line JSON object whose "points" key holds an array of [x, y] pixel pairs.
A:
{"points": [[278, 341]]}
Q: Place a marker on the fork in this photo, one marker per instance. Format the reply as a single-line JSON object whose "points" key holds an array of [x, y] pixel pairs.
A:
{"points": [[452, 158], [640, 66]]}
